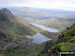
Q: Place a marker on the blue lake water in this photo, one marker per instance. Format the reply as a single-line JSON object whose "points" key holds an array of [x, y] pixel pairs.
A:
{"points": [[38, 38], [49, 29]]}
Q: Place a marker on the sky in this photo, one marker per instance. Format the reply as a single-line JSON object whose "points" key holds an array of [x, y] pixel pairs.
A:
{"points": [[50, 4]]}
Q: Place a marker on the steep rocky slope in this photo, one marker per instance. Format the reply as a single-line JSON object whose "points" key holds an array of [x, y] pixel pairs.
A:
{"points": [[13, 41]]}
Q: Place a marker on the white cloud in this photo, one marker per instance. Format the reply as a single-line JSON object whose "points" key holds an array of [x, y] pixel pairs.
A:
{"points": [[52, 4]]}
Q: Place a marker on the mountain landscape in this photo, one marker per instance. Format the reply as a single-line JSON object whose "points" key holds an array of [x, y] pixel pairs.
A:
{"points": [[37, 27], [16, 24]]}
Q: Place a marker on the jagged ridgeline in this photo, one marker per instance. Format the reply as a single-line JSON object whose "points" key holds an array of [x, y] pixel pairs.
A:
{"points": [[65, 42], [13, 41]]}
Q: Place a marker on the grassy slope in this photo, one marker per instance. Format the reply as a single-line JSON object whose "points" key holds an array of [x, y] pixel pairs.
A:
{"points": [[65, 42]]}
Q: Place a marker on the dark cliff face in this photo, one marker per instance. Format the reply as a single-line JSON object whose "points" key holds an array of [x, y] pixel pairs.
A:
{"points": [[65, 42], [6, 15], [6, 22], [6, 19]]}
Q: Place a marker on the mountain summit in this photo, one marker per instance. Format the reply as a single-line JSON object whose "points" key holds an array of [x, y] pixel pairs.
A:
{"points": [[6, 15]]}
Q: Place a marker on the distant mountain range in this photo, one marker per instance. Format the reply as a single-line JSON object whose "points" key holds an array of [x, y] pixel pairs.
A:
{"points": [[68, 14], [40, 13], [31, 13]]}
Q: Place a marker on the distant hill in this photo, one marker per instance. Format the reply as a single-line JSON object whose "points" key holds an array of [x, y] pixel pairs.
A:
{"points": [[40, 13], [30, 12], [57, 12]]}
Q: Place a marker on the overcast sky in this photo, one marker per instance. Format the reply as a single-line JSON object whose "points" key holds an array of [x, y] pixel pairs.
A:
{"points": [[51, 4]]}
